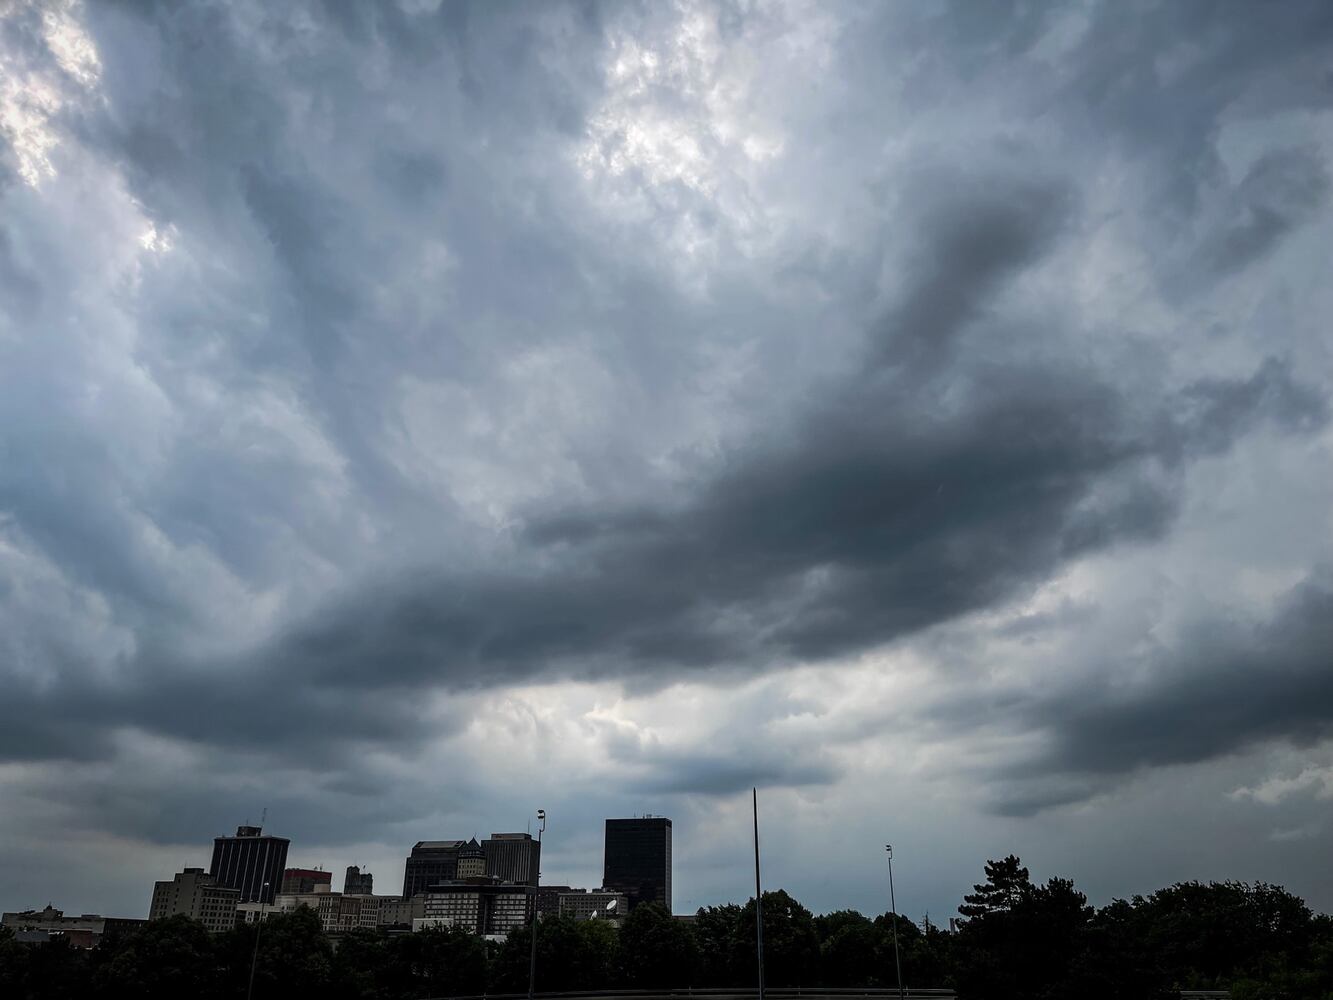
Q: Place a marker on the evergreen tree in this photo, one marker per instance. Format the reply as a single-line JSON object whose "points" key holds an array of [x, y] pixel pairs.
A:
{"points": [[1006, 884]]}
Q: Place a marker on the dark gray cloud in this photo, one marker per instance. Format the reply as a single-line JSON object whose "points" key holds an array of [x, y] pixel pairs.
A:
{"points": [[1231, 684], [1282, 190]]}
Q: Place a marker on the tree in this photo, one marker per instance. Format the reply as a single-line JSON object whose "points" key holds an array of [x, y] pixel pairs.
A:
{"points": [[169, 958], [437, 962], [657, 951], [851, 949], [1006, 884], [571, 955], [13, 965], [295, 957], [791, 946], [1020, 942], [1225, 933], [363, 967], [715, 929]]}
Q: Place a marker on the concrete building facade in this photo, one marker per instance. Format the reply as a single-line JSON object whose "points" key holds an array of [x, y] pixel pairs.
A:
{"points": [[87, 930], [583, 904], [513, 857], [196, 894], [471, 860], [481, 906]]}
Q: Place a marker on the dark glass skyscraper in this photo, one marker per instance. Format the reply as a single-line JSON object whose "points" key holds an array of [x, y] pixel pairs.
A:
{"points": [[430, 862], [638, 859], [249, 860]]}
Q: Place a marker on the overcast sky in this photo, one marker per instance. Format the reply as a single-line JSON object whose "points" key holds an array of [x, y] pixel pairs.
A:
{"points": [[414, 415]]}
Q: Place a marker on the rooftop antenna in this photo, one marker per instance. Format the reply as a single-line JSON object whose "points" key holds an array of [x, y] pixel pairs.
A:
{"points": [[263, 818]]}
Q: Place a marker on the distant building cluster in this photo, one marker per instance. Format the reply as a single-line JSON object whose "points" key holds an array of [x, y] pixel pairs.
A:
{"points": [[487, 887], [48, 924]]}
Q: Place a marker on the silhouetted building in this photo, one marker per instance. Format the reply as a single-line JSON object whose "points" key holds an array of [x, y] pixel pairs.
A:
{"points": [[638, 859], [196, 895], [248, 861], [301, 880], [513, 857], [358, 883], [431, 861]]}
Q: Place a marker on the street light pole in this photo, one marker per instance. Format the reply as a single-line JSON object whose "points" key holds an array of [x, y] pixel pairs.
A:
{"points": [[259, 927], [758, 898], [893, 914], [532, 960]]}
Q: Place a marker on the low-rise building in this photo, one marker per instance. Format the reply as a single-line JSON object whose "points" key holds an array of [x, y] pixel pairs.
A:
{"points": [[339, 912], [548, 899], [301, 880], [583, 904], [84, 931], [196, 894], [395, 911], [481, 905]]}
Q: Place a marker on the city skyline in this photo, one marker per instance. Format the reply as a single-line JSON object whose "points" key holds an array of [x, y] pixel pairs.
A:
{"points": [[416, 414]]}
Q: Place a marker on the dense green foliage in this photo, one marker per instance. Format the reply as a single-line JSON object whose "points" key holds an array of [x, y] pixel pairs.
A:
{"points": [[1018, 941]]}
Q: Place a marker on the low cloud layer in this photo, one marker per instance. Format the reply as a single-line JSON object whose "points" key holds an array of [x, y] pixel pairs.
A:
{"points": [[366, 378]]}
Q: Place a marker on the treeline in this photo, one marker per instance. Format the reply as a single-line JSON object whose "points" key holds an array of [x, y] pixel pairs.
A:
{"points": [[1018, 941]]}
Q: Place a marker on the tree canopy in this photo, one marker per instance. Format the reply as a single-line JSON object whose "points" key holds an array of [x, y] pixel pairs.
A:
{"points": [[1019, 940]]}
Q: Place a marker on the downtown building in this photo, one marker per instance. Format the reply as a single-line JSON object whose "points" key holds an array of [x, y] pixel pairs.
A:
{"points": [[513, 857], [509, 857], [303, 880], [339, 913], [87, 930], [483, 906], [638, 859], [358, 883], [431, 861], [196, 894], [250, 862], [588, 904]]}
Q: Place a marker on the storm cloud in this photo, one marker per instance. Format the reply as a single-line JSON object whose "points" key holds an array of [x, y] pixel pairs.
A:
{"points": [[944, 385]]}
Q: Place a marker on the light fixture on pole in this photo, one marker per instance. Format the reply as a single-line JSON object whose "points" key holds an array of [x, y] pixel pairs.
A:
{"points": [[893, 914], [259, 927], [532, 961]]}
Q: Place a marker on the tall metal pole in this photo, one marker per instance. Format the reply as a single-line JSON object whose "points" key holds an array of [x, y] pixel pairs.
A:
{"points": [[259, 926], [893, 913], [758, 898], [532, 961]]}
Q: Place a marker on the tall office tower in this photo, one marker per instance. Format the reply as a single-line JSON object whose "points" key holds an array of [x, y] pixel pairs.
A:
{"points": [[306, 880], [430, 862], [358, 883], [638, 859], [249, 861], [513, 857]]}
